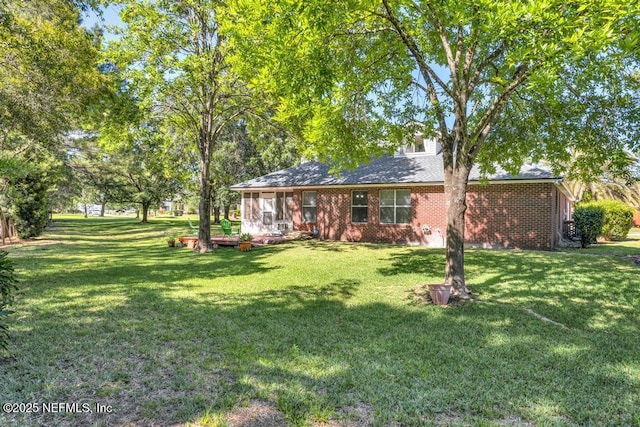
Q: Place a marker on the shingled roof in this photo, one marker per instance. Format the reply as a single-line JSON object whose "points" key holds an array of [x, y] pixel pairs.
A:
{"points": [[385, 170]]}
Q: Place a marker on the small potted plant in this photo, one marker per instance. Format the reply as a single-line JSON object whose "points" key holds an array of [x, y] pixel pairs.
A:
{"points": [[171, 239], [245, 242]]}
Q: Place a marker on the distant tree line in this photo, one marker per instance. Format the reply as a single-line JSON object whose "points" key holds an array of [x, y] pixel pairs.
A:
{"points": [[77, 124]]}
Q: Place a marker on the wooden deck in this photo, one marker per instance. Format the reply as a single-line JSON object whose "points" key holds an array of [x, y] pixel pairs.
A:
{"points": [[232, 241], [225, 240], [258, 240]]}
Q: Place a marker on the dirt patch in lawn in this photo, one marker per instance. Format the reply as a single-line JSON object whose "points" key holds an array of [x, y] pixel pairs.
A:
{"points": [[360, 415], [452, 419], [513, 420], [17, 243], [257, 414], [264, 414]]}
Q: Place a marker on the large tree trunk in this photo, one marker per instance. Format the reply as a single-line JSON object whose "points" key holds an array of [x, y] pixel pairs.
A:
{"points": [[216, 214], [4, 227], [456, 176], [215, 209], [204, 228], [145, 211], [227, 208], [455, 195]]}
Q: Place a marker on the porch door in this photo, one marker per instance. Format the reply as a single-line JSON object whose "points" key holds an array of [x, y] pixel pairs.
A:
{"points": [[284, 211], [268, 201]]}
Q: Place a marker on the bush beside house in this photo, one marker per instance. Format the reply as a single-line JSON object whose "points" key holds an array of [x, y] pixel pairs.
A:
{"points": [[611, 219], [589, 219], [618, 219]]}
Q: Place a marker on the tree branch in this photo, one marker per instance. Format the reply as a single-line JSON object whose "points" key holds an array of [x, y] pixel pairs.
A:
{"points": [[439, 27], [490, 116], [488, 61], [425, 70]]}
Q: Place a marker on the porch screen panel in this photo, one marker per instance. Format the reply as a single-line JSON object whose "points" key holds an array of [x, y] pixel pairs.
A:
{"points": [[251, 206], [284, 206], [288, 209], [246, 198], [279, 206], [255, 207]]}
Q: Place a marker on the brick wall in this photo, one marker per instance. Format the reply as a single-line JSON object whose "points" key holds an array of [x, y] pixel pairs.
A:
{"points": [[636, 219], [517, 215], [334, 217]]}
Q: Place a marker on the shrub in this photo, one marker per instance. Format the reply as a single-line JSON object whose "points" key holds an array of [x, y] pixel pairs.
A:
{"points": [[589, 218], [618, 219], [7, 286], [30, 207]]}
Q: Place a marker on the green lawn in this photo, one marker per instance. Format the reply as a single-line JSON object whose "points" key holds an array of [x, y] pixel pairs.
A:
{"points": [[317, 333]]}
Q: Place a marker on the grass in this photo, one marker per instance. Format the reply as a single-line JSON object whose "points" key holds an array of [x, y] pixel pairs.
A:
{"points": [[322, 332]]}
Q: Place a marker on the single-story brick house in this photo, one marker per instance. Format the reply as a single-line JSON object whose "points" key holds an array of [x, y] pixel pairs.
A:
{"points": [[400, 199]]}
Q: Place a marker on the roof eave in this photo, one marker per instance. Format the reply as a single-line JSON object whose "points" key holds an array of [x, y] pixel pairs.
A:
{"points": [[394, 184]]}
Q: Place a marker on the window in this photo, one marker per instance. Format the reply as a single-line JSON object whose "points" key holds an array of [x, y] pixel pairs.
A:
{"points": [[395, 206], [419, 146], [309, 209], [359, 206], [251, 206], [415, 146]]}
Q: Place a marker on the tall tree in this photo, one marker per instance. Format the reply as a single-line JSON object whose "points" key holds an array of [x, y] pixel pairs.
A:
{"points": [[130, 159], [623, 185], [151, 171], [502, 81], [48, 74], [175, 60], [48, 77]]}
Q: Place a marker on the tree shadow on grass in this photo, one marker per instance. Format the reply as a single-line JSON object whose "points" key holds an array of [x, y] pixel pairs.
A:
{"points": [[161, 268], [328, 246], [129, 337], [337, 247], [429, 262], [542, 281], [84, 272], [314, 352]]}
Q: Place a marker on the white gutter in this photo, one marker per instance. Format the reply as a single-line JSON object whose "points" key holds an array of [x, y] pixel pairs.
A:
{"points": [[559, 183]]}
